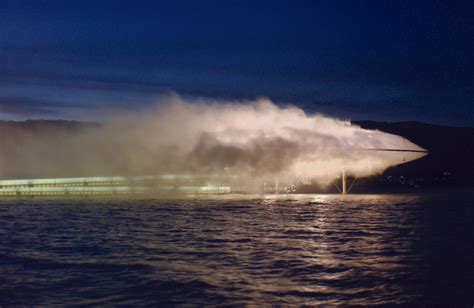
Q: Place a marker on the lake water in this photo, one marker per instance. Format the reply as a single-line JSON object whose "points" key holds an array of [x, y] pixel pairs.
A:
{"points": [[295, 249]]}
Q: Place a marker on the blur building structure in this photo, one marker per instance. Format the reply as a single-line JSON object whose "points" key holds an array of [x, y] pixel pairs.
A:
{"points": [[117, 185]]}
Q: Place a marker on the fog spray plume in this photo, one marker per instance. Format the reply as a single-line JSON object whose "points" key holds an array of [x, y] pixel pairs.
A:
{"points": [[251, 139]]}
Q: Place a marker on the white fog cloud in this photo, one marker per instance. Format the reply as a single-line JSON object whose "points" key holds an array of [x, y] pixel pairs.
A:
{"points": [[248, 139]]}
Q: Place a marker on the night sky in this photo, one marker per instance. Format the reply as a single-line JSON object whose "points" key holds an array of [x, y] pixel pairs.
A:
{"points": [[374, 60]]}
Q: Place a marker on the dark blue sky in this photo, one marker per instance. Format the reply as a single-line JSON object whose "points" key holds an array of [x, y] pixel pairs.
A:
{"points": [[379, 60]]}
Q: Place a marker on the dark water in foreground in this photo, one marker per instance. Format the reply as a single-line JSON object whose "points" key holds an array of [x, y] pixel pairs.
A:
{"points": [[319, 249]]}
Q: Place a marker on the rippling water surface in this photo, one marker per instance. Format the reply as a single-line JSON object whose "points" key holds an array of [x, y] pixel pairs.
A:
{"points": [[308, 249]]}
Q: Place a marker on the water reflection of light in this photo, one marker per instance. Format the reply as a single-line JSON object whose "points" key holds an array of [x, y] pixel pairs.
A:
{"points": [[321, 198], [349, 235], [307, 244]]}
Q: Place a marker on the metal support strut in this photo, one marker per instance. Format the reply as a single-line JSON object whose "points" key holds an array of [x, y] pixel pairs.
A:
{"points": [[344, 184]]}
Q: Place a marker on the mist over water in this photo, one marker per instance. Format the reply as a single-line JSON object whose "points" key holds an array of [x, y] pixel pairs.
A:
{"points": [[248, 139]]}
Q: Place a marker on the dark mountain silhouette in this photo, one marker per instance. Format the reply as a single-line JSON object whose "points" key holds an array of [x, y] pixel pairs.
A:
{"points": [[450, 162]]}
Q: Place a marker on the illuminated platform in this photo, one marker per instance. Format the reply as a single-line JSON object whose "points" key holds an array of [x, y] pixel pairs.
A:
{"points": [[160, 184]]}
